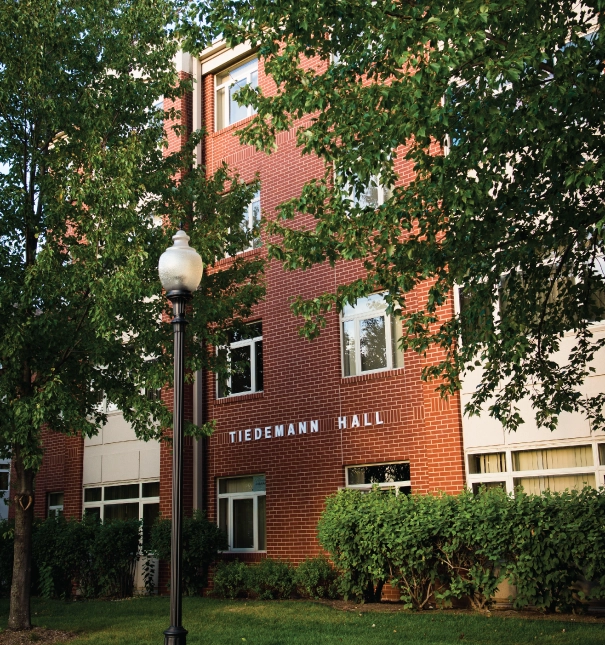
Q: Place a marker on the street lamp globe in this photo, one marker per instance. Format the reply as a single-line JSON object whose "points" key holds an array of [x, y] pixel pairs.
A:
{"points": [[180, 267]]}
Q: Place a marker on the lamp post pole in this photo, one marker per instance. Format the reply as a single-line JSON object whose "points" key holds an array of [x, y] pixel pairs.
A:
{"points": [[180, 269], [176, 634]]}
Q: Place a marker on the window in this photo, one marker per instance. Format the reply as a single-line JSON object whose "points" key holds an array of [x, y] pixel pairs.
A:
{"points": [[494, 462], [227, 83], [133, 501], [55, 505], [554, 468], [370, 337], [251, 222], [245, 359], [386, 476], [242, 512], [153, 393]]}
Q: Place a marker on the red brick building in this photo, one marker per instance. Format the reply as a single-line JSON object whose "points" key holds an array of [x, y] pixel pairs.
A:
{"points": [[305, 418]]}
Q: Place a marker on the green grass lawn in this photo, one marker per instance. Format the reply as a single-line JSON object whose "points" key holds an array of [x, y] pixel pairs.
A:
{"points": [[142, 621]]}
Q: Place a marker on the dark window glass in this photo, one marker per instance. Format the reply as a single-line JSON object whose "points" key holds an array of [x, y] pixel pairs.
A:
{"points": [[92, 494], [372, 344], [151, 512], [3, 479], [153, 393], [124, 491], [258, 347], [243, 523], [55, 499], [151, 489], [487, 485], [241, 380], [602, 454], [378, 474], [262, 522], [128, 511], [93, 511]]}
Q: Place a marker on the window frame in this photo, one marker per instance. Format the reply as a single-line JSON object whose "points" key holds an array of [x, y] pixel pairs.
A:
{"points": [[232, 80], [510, 475], [388, 325], [249, 222], [394, 485], [250, 342], [230, 497], [102, 503], [55, 510]]}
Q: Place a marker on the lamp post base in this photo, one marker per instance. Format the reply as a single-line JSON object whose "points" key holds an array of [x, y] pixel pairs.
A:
{"points": [[175, 636]]}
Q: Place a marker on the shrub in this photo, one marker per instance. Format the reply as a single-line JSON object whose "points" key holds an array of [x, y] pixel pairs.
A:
{"points": [[62, 550], [231, 580], [97, 559], [201, 542], [350, 531], [271, 579], [316, 578], [476, 546], [436, 548]]}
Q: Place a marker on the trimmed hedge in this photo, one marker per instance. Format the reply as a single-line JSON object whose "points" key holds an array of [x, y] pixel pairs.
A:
{"points": [[438, 548], [98, 560], [275, 579]]}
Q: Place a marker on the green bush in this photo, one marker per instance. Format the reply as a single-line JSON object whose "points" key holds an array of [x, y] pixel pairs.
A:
{"points": [[231, 580], [440, 548], [97, 559], [62, 552], [271, 579], [316, 578], [201, 542], [350, 531]]}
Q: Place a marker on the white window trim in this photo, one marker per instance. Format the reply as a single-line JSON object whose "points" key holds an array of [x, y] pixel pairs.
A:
{"points": [[254, 495], [251, 342], [509, 476], [356, 318], [226, 85], [384, 485], [102, 503]]}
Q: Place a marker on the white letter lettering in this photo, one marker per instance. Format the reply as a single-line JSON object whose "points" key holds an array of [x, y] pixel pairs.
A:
{"points": [[366, 419], [302, 427], [355, 422], [248, 435], [315, 426], [232, 435], [291, 429], [379, 421], [279, 431], [268, 432], [258, 433], [342, 422]]}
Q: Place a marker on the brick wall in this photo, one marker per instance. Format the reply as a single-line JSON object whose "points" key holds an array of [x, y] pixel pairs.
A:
{"points": [[303, 381]]}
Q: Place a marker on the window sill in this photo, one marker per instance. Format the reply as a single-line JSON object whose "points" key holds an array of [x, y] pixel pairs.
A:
{"points": [[236, 398], [360, 378], [232, 126], [248, 253]]}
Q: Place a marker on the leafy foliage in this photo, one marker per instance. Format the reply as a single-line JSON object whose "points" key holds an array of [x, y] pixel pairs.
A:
{"points": [[231, 579], [201, 542], [435, 549], [514, 91], [316, 578], [271, 579], [89, 199]]}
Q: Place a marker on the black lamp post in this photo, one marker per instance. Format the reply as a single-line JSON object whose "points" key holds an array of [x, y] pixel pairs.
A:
{"points": [[180, 269]]}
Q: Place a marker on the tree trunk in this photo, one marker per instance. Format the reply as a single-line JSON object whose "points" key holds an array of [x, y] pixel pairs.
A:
{"points": [[22, 499]]}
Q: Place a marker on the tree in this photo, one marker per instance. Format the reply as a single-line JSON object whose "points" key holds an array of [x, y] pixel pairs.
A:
{"points": [[498, 107], [88, 202]]}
